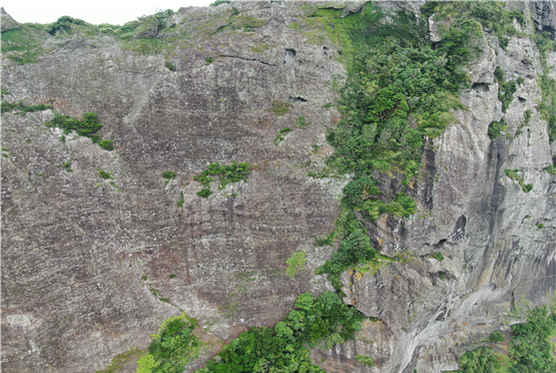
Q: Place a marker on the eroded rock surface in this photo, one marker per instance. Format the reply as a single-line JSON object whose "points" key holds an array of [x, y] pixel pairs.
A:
{"points": [[86, 261]]}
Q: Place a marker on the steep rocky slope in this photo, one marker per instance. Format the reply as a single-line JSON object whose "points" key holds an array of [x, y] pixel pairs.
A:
{"points": [[87, 261]]}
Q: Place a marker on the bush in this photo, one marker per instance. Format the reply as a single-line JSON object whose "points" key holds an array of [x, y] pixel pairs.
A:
{"points": [[204, 193], [106, 145], [106, 175], [438, 256], [218, 2], [170, 66], [496, 336], [168, 175], [365, 360], [172, 348], [63, 24], [281, 135], [296, 263], [495, 129], [227, 174], [87, 127], [67, 166], [324, 319], [181, 201], [483, 359]]}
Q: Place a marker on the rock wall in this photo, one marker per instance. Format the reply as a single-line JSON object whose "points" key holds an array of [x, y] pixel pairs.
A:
{"points": [[85, 263]]}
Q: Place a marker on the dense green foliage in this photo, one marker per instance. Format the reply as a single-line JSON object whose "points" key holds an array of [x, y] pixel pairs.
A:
{"points": [[87, 127], [530, 346], [227, 174], [324, 319], [63, 25], [496, 336], [168, 175], [514, 175], [172, 348], [483, 360], [495, 129]]}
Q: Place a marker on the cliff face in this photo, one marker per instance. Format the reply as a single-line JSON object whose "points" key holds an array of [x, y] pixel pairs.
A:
{"points": [[87, 261]]}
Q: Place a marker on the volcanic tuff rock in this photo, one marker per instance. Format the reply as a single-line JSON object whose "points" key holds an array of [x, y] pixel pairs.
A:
{"points": [[85, 261]]}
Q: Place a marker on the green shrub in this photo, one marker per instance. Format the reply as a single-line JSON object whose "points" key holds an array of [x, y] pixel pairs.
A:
{"points": [[527, 116], [520, 80], [181, 201], [483, 359], [8, 107], [170, 66], [514, 175], [204, 193], [67, 166], [63, 25], [496, 336], [172, 348], [495, 128], [281, 135], [172, 275], [218, 2], [530, 345], [209, 60], [168, 175], [506, 94], [499, 74], [106, 175], [365, 360], [106, 145], [227, 174], [87, 127], [296, 263], [325, 320], [438, 256]]}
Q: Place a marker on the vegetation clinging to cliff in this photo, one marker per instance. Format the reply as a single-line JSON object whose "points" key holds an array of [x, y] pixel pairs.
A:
{"points": [[530, 346], [400, 91], [325, 319], [172, 348]]}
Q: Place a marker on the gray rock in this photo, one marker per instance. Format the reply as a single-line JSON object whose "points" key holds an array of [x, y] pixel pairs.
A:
{"points": [[75, 247]]}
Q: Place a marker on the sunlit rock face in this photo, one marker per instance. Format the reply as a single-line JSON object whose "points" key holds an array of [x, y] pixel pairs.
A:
{"points": [[87, 261]]}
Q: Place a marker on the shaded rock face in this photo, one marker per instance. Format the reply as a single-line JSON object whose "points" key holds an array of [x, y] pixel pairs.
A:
{"points": [[86, 261]]}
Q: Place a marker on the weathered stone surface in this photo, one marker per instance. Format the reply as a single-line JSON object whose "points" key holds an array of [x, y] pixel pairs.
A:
{"points": [[6, 21], [75, 248], [485, 225]]}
